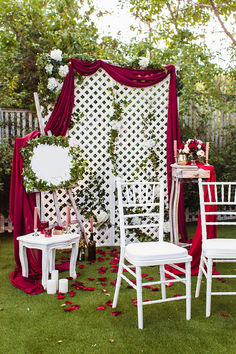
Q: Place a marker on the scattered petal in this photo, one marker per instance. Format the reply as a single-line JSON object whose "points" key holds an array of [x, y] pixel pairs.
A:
{"points": [[104, 284], [176, 295], [100, 259], [59, 341], [102, 279], [224, 314], [109, 303], [148, 286], [90, 288], [60, 296], [144, 275], [155, 289], [149, 278], [102, 307], [115, 313], [111, 340], [90, 278], [69, 278], [129, 287], [113, 282], [104, 290], [81, 266], [169, 284], [72, 293], [68, 302]]}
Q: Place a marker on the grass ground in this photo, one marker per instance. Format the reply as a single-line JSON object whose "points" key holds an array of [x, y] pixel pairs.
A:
{"points": [[39, 323]]}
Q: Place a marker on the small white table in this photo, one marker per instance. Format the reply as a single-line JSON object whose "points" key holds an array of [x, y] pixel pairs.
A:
{"points": [[48, 245], [181, 174]]}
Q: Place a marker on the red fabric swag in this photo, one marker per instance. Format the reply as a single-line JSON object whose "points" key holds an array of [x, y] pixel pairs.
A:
{"points": [[22, 204]]}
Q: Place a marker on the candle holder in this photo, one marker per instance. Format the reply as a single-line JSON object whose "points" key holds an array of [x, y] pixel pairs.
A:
{"points": [[35, 233]]}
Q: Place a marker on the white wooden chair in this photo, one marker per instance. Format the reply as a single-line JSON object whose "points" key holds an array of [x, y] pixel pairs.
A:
{"points": [[218, 207], [141, 213]]}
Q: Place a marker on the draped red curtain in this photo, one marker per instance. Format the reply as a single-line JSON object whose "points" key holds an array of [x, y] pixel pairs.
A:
{"points": [[21, 204]]}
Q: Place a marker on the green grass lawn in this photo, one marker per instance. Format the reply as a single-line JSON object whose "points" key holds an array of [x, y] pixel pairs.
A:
{"points": [[39, 323]]}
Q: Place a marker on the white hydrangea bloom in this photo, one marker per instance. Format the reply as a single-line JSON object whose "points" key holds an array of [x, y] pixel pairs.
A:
{"points": [[200, 153], [115, 124], [136, 220], [199, 146], [52, 83], [56, 54], [149, 144], [143, 62], [48, 68], [101, 216], [63, 70]]}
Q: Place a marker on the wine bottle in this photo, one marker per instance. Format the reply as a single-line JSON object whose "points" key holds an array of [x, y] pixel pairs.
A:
{"points": [[81, 253], [91, 248]]}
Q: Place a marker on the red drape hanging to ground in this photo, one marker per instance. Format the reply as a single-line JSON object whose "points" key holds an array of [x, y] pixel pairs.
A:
{"points": [[22, 204]]}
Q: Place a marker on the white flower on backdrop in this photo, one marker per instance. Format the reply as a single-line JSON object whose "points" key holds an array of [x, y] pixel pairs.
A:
{"points": [[143, 62], [48, 68], [52, 83], [63, 70], [56, 54]]}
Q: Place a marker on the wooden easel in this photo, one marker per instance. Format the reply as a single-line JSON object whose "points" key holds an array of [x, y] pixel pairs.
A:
{"points": [[68, 190]]}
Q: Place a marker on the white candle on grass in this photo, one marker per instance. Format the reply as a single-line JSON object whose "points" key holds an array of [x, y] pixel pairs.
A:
{"points": [[54, 276], [63, 286], [51, 286]]}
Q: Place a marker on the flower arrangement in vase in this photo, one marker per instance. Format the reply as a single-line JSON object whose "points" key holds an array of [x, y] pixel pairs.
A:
{"points": [[194, 149]]}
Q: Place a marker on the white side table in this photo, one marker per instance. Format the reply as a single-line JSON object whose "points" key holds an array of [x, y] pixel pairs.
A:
{"points": [[181, 174], [48, 245]]}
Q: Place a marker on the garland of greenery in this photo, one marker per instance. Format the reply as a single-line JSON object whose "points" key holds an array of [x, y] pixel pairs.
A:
{"points": [[32, 182]]}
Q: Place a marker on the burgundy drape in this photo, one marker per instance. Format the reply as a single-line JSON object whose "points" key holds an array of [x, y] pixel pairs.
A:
{"points": [[22, 204]]}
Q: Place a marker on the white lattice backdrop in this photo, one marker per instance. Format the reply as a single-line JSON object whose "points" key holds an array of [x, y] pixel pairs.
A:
{"points": [[92, 110]]}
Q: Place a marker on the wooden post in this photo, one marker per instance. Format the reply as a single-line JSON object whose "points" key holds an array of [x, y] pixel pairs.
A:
{"points": [[38, 110]]}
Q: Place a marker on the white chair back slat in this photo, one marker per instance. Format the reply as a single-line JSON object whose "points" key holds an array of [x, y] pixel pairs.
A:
{"points": [[141, 208], [222, 193], [229, 193]]}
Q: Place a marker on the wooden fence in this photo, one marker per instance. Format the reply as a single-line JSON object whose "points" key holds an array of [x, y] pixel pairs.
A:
{"points": [[16, 123]]}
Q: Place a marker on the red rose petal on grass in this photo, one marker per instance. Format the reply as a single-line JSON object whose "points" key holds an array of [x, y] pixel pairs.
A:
{"points": [[169, 284], [100, 259], [113, 282], [72, 293], [68, 309], [89, 288], [155, 289], [78, 274], [102, 279], [176, 295], [226, 281], [115, 270], [90, 278], [81, 266], [149, 278], [60, 296], [102, 270], [69, 278], [144, 275], [102, 307], [109, 303], [224, 314], [104, 290], [148, 286], [133, 281], [68, 302], [114, 262], [115, 313], [104, 284], [134, 301], [64, 258], [129, 287], [75, 307]]}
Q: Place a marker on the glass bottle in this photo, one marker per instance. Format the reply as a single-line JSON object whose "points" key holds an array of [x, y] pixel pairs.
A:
{"points": [[81, 253], [91, 248]]}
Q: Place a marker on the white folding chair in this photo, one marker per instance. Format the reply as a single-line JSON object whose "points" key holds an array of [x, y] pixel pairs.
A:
{"points": [[141, 213], [218, 207]]}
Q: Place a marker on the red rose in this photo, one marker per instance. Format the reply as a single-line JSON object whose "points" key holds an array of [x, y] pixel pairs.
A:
{"points": [[182, 146], [57, 227], [192, 147], [203, 147]]}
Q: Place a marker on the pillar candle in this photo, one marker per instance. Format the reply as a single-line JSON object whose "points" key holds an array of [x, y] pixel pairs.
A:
{"points": [[63, 286], [175, 149], [207, 151], [68, 217], [51, 286], [35, 217], [91, 224], [54, 276]]}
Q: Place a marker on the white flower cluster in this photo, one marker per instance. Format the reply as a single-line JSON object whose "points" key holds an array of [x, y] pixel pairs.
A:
{"points": [[101, 216], [63, 70], [115, 124], [56, 54], [143, 62], [52, 83], [166, 227], [149, 144], [48, 69]]}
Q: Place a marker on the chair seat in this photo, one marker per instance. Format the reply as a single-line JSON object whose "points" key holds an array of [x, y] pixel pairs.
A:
{"points": [[153, 252], [224, 248]]}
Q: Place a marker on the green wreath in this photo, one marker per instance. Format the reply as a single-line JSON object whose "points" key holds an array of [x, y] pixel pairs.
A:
{"points": [[75, 172]]}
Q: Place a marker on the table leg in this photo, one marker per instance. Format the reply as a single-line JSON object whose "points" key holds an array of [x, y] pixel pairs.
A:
{"points": [[73, 258], [171, 206], [175, 212], [23, 260], [52, 259], [45, 267]]}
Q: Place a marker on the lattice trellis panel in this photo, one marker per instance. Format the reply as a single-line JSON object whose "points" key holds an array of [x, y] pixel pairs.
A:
{"points": [[144, 117]]}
